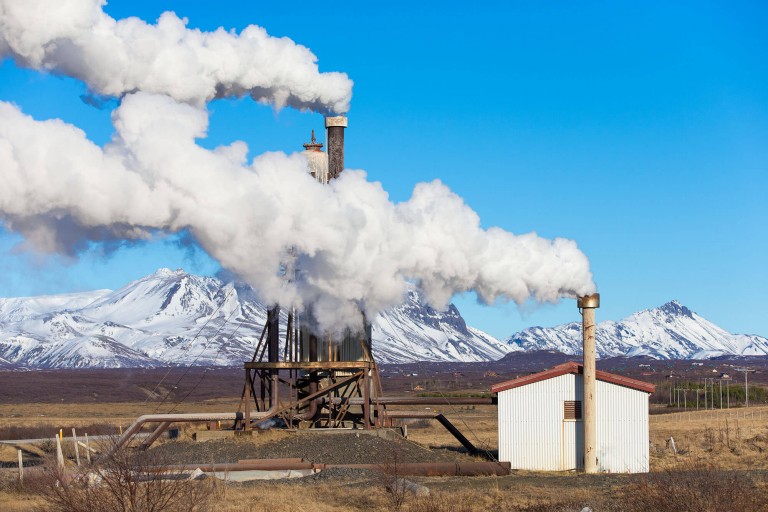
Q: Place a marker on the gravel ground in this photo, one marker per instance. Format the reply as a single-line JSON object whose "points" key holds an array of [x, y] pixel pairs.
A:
{"points": [[346, 448]]}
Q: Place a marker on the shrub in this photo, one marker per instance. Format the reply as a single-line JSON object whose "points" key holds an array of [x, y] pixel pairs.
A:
{"points": [[696, 486], [128, 481]]}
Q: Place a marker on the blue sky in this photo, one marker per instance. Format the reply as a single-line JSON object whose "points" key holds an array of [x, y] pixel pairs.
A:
{"points": [[638, 130]]}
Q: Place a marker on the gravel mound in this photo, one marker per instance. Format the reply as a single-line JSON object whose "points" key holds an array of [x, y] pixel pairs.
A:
{"points": [[336, 448]]}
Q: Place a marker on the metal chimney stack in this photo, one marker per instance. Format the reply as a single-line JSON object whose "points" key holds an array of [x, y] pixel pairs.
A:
{"points": [[335, 138], [587, 304]]}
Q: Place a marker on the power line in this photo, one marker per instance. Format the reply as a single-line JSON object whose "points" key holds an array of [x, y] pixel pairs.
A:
{"points": [[202, 351], [746, 372], [207, 368], [447, 402]]}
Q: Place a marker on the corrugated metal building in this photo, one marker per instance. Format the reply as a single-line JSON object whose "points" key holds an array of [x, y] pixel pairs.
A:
{"points": [[540, 425]]}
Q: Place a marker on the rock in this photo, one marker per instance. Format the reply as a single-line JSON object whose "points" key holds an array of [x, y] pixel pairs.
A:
{"points": [[197, 474], [401, 485]]}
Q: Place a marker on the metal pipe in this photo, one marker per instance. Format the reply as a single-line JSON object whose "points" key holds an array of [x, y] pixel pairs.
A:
{"points": [[154, 435], [310, 414], [161, 418], [433, 468], [273, 335], [270, 461], [367, 399], [443, 421], [588, 304], [335, 137], [247, 399], [231, 466], [196, 417], [408, 400], [275, 410]]}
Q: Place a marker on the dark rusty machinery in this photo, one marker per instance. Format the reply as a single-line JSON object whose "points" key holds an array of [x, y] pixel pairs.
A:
{"points": [[299, 378], [311, 380]]}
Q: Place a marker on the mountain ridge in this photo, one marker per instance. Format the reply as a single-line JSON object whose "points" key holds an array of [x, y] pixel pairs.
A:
{"points": [[670, 331], [173, 317]]}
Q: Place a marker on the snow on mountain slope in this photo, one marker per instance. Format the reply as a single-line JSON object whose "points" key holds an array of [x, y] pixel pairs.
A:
{"points": [[21, 308], [172, 317], [671, 331], [416, 332], [5, 364], [162, 299]]}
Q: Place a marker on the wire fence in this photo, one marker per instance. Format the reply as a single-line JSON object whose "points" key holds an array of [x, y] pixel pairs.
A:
{"points": [[705, 415]]}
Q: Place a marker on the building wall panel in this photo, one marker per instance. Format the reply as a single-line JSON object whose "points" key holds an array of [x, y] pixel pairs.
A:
{"points": [[622, 429], [533, 433], [531, 426]]}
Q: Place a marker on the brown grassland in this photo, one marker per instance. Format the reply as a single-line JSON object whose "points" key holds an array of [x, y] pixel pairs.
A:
{"points": [[720, 464]]}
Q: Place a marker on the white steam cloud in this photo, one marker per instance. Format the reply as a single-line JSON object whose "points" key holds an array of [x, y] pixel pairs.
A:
{"points": [[76, 38], [354, 248]]}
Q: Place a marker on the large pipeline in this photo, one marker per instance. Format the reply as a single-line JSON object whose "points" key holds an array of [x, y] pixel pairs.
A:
{"points": [[165, 420], [420, 400], [171, 418]]}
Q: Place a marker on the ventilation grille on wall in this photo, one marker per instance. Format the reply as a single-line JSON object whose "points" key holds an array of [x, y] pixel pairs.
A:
{"points": [[572, 409]]}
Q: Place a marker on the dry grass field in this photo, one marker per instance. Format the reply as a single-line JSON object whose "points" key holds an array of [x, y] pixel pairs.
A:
{"points": [[720, 464], [713, 448]]}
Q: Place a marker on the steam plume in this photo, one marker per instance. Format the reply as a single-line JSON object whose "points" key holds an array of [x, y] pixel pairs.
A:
{"points": [[76, 38], [355, 249]]}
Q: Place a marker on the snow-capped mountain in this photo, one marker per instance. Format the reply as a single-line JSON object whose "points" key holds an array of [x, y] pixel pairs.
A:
{"points": [[416, 332], [172, 317], [671, 331]]}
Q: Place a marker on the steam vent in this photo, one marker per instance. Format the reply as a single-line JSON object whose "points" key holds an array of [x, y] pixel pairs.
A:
{"points": [[334, 127], [323, 371], [317, 160]]}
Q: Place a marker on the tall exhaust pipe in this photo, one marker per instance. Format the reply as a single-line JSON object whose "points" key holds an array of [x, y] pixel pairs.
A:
{"points": [[334, 127], [587, 304]]}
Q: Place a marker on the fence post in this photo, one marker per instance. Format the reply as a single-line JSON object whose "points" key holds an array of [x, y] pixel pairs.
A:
{"points": [[87, 449], [59, 454], [77, 448], [21, 469]]}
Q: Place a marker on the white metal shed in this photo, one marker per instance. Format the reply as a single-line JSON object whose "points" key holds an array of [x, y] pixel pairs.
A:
{"points": [[540, 425]]}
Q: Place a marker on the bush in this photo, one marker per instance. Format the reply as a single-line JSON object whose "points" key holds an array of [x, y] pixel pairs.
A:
{"points": [[126, 482], [696, 486]]}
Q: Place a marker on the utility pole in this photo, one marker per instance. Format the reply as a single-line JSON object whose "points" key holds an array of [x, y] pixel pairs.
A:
{"points": [[746, 383], [705, 394], [721, 393], [746, 387]]}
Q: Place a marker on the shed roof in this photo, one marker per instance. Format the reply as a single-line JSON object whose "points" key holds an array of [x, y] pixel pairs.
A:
{"points": [[575, 368]]}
